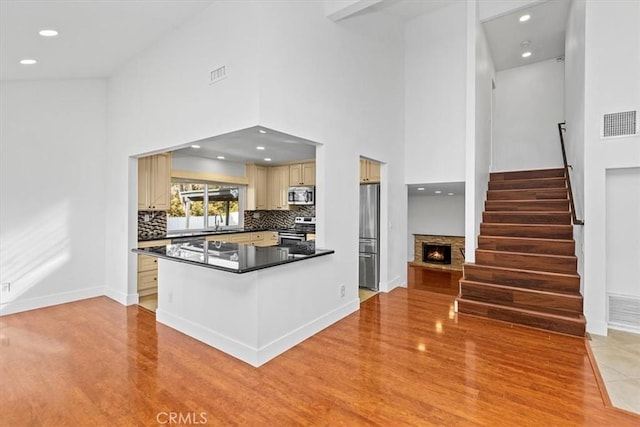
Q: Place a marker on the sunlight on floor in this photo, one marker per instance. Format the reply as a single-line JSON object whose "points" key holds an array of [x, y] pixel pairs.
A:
{"points": [[365, 294], [150, 302], [618, 359]]}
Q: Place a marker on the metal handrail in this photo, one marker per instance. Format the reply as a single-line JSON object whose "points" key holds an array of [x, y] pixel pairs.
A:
{"points": [[576, 221]]}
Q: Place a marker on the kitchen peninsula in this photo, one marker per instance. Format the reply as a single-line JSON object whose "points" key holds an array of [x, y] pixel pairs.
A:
{"points": [[251, 302]]}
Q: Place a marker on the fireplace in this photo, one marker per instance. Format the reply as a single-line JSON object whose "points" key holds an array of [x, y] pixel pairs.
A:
{"points": [[436, 254]]}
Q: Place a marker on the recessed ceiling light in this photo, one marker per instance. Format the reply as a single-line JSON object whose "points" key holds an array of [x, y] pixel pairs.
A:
{"points": [[262, 131], [438, 192], [525, 18], [220, 157], [290, 141], [259, 147], [449, 194], [48, 33], [28, 61], [526, 54], [267, 159], [525, 43], [195, 146], [420, 188]]}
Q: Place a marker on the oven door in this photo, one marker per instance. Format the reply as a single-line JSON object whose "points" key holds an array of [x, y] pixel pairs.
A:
{"points": [[288, 239]]}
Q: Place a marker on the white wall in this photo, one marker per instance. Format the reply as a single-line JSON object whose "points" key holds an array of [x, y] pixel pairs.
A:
{"points": [[479, 147], [435, 96], [623, 231], [290, 69], [436, 215], [52, 206], [162, 99], [529, 105], [574, 72], [612, 67], [341, 84]]}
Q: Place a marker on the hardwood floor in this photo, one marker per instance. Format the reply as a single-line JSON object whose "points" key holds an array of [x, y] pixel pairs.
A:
{"points": [[434, 280], [404, 359]]}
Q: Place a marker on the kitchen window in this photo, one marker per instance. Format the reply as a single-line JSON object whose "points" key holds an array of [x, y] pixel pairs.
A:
{"points": [[200, 206]]}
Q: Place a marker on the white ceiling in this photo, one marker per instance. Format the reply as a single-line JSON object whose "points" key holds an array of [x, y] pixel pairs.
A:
{"points": [[240, 146], [96, 36], [545, 31], [429, 190]]}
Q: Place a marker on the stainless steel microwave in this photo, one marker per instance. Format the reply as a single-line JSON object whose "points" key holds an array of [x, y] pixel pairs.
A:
{"points": [[302, 195]]}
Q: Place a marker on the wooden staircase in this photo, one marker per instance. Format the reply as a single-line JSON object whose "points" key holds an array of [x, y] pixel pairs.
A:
{"points": [[525, 270]]}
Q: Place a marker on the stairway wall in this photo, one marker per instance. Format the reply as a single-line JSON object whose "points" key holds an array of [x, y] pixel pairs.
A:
{"points": [[529, 103]]}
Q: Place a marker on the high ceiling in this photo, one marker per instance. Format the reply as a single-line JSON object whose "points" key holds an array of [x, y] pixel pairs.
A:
{"points": [[98, 36], [543, 34], [95, 36]]}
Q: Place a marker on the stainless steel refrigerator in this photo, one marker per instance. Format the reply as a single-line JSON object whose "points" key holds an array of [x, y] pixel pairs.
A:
{"points": [[369, 233]]}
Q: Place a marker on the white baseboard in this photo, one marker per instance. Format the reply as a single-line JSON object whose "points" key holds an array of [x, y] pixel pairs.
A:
{"points": [[284, 343], [248, 354], [597, 328], [624, 328], [121, 297], [20, 305]]}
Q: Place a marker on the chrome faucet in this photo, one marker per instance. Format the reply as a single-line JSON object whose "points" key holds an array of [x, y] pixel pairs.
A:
{"points": [[217, 220]]}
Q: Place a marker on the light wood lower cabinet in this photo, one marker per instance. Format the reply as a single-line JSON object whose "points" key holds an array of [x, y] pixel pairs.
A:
{"points": [[148, 269]]}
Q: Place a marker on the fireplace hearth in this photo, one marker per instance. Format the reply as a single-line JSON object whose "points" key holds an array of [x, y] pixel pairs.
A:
{"points": [[436, 254]]}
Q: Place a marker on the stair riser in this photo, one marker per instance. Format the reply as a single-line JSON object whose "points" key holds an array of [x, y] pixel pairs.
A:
{"points": [[527, 218], [541, 173], [550, 264], [529, 206], [533, 300], [506, 315], [527, 183], [522, 230], [531, 194], [549, 247], [521, 279]]}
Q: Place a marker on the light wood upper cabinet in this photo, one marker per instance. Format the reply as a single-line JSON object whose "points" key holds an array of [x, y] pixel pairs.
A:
{"points": [[278, 187], [257, 190], [302, 174], [154, 182], [369, 172]]}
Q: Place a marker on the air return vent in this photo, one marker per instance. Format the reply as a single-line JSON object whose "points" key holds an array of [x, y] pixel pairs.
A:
{"points": [[620, 124], [624, 311], [218, 74]]}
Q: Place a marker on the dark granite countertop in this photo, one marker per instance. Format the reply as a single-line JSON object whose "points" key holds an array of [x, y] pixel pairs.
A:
{"points": [[234, 257]]}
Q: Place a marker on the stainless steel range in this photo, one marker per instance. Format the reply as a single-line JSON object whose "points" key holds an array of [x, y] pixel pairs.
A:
{"points": [[303, 225]]}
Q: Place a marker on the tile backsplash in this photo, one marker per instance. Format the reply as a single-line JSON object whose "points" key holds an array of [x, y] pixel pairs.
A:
{"points": [[276, 219], [156, 226]]}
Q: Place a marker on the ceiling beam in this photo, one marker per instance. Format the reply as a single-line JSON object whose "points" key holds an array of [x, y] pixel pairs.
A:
{"points": [[337, 10]]}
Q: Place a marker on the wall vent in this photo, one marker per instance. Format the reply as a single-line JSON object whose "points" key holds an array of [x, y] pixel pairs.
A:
{"points": [[624, 311], [620, 124], [218, 74]]}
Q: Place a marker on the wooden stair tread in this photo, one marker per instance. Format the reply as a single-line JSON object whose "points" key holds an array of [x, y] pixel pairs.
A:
{"points": [[538, 239], [567, 294], [521, 270], [567, 257], [568, 316], [519, 224], [510, 175]]}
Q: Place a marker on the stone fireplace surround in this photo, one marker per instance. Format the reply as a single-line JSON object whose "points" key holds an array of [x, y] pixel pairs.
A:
{"points": [[456, 242]]}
